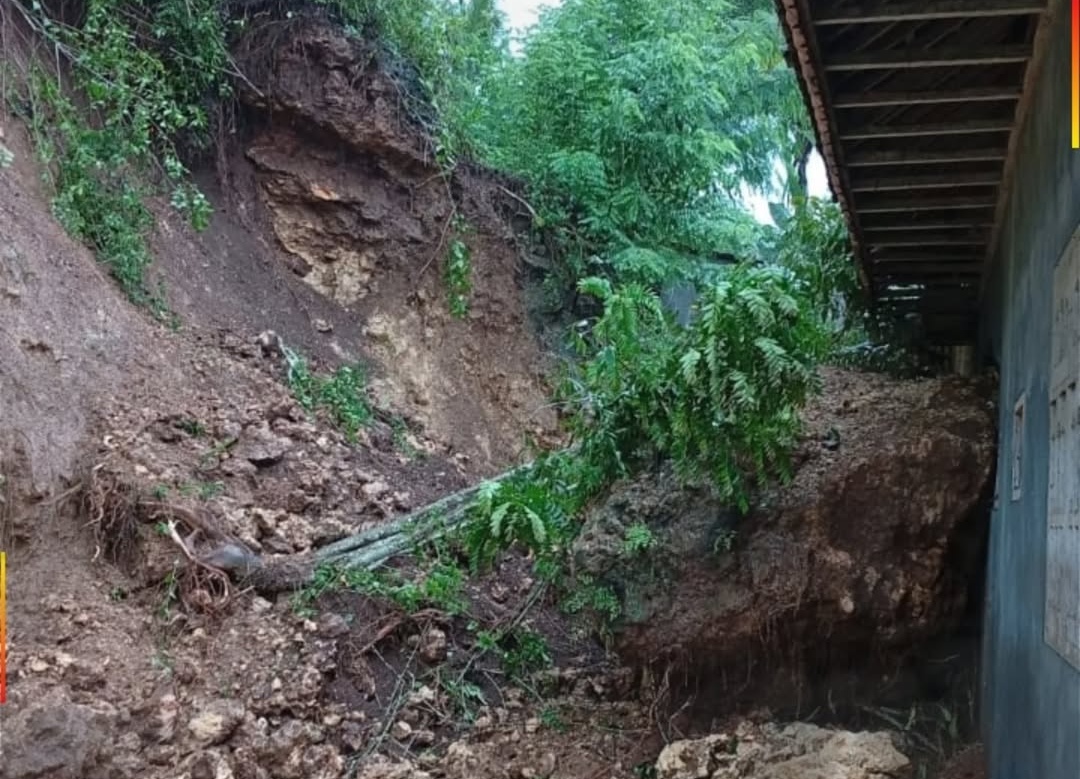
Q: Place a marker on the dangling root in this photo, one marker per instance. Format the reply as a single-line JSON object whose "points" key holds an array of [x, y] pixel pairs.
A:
{"points": [[117, 511], [112, 507]]}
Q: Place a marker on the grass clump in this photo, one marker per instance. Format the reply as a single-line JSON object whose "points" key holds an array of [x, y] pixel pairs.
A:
{"points": [[341, 394]]}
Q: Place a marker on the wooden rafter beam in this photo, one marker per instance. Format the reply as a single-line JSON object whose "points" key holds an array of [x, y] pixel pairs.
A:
{"points": [[888, 205], [875, 238], [901, 278], [927, 97], [915, 10], [935, 306], [969, 127], [933, 181], [891, 285], [939, 260], [1032, 74], [862, 159], [921, 274], [909, 225], [944, 57]]}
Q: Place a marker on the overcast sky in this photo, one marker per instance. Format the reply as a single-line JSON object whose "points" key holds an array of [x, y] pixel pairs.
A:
{"points": [[521, 13]]}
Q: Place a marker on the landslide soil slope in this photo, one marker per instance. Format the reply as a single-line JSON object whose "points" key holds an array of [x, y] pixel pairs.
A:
{"points": [[330, 224]]}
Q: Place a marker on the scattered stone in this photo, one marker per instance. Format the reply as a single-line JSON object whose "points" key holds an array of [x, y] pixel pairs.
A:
{"points": [[332, 625], [55, 737], [216, 722], [423, 738], [323, 326], [797, 751], [261, 447], [160, 726], [380, 767], [422, 695], [434, 645], [375, 489], [401, 730]]}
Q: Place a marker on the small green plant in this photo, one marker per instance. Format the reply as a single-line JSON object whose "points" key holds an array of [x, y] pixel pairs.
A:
{"points": [[551, 718], [639, 539], [586, 595], [170, 595], [465, 697], [441, 587], [160, 491], [7, 157], [164, 662], [511, 513], [645, 770], [458, 272], [203, 490], [211, 456], [193, 427], [524, 653], [342, 394]]}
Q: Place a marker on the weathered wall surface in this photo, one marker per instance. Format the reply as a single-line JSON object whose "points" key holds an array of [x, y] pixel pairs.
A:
{"points": [[1031, 696]]}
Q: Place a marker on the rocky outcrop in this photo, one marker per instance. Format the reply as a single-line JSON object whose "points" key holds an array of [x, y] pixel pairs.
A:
{"points": [[798, 751], [873, 546], [345, 174]]}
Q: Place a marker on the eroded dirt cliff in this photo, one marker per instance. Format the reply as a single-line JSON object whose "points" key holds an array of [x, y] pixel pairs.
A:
{"points": [[331, 220]]}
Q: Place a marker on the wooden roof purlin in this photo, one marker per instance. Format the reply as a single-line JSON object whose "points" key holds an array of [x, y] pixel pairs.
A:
{"points": [[917, 106]]}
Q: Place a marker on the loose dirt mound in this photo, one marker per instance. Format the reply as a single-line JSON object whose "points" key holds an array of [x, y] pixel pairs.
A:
{"points": [[873, 549], [127, 659]]}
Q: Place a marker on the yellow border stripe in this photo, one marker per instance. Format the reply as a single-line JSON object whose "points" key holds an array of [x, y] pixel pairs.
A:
{"points": [[1075, 83], [3, 627]]}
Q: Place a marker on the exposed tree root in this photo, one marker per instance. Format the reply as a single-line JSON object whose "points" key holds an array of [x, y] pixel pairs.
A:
{"points": [[117, 511]]}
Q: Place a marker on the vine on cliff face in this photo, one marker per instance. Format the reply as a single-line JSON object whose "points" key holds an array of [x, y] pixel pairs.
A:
{"points": [[128, 87]]}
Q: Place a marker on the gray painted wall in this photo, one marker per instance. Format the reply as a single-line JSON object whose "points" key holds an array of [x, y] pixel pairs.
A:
{"points": [[1031, 696]]}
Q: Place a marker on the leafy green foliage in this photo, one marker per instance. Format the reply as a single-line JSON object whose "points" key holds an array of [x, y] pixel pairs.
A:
{"points": [[813, 245], [520, 512], [585, 595], [458, 272], [637, 122], [342, 394], [719, 398], [438, 587], [143, 71], [525, 652], [639, 539]]}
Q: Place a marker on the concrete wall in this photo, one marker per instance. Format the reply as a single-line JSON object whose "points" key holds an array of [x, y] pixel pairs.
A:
{"points": [[1030, 695]]}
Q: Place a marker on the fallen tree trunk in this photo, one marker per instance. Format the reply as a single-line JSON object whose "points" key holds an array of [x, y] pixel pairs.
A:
{"points": [[368, 549]]}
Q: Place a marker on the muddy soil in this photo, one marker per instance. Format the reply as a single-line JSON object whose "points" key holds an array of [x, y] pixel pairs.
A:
{"points": [[331, 221]]}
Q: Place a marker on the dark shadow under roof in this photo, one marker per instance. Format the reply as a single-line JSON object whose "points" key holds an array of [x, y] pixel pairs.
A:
{"points": [[917, 106]]}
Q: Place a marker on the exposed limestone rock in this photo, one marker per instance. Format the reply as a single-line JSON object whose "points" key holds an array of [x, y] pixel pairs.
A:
{"points": [[215, 722], [261, 447], [798, 751]]}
